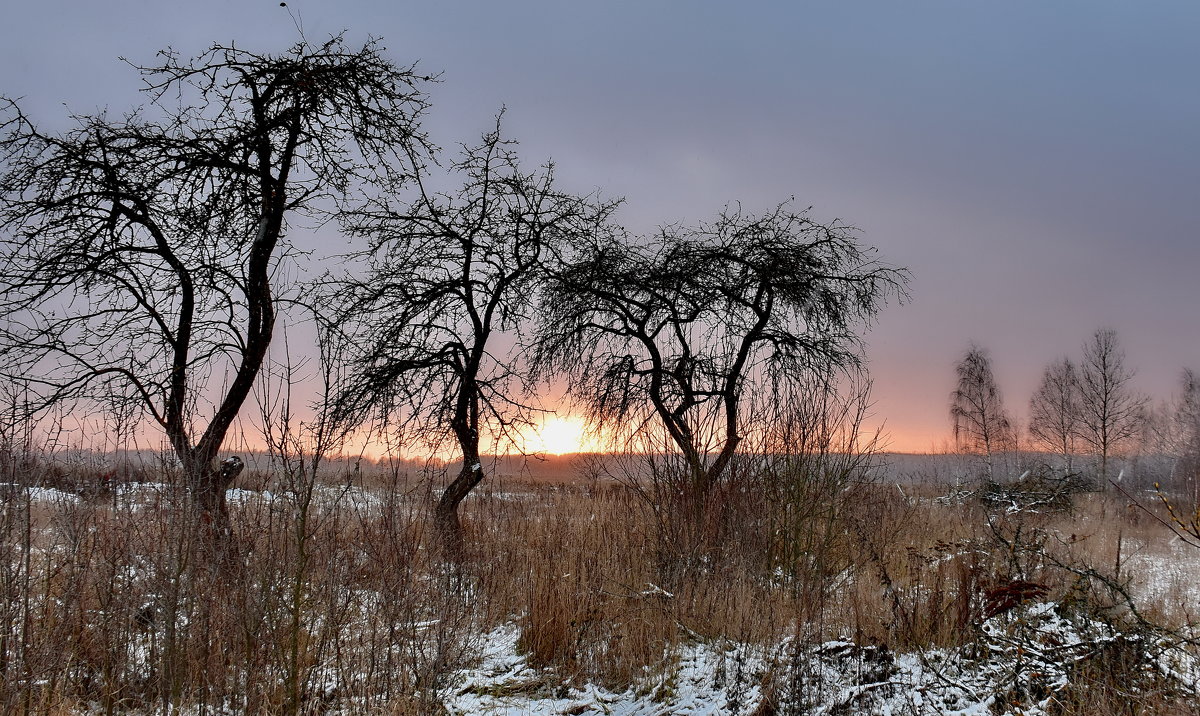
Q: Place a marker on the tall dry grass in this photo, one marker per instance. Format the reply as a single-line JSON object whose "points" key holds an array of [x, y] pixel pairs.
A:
{"points": [[339, 598]]}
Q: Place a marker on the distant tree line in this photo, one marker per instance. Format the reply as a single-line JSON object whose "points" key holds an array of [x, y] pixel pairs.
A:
{"points": [[1085, 413]]}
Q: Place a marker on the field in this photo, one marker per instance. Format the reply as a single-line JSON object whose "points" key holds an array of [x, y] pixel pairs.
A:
{"points": [[577, 594]]}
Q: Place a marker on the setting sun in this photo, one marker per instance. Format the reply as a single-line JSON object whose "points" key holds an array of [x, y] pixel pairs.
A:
{"points": [[557, 436]]}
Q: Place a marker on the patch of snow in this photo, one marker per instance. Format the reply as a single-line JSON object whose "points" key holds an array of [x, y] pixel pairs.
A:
{"points": [[703, 680], [39, 494], [1023, 660]]}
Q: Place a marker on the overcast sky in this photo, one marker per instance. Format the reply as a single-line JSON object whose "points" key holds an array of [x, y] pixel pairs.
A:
{"points": [[1035, 164]]}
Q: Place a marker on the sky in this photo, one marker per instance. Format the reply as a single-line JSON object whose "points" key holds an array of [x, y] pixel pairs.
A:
{"points": [[1036, 166]]}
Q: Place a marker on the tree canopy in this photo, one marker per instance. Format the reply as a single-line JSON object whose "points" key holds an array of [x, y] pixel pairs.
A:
{"points": [[141, 254], [448, 290], [678, 332]]}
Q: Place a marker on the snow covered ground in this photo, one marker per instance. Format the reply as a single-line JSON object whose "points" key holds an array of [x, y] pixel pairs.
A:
{"points": [[1025, 661]]}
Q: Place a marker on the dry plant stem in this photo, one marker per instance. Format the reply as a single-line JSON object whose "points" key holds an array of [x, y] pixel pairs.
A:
{"points": [[1187, 531]]}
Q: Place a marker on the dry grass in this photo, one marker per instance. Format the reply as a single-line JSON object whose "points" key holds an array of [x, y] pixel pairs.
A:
{"points": [[341, 600]]}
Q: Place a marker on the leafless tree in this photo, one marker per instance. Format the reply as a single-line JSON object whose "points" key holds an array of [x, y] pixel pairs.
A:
{"points": [[1054, 408], [1111, 414], [981, 424], [675, 335], [448, 285], [141, 253], [1180, 439]]}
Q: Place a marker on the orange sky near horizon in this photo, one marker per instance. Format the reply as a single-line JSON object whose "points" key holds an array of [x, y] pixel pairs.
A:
{"points": [[558, 432]]}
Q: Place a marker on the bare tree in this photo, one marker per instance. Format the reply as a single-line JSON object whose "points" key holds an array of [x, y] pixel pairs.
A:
{"points": [[140, 253], [1054, 408], [676, 335], [1110, 412], [448, 274], [981, 424], [1180, 439]]}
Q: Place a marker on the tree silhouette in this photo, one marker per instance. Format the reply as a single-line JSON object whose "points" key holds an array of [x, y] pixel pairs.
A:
{"points": [[141, 253], [1054, 411], [679, 334], [1110, 413], [1185, 434], [981, 423], [447, 274]]}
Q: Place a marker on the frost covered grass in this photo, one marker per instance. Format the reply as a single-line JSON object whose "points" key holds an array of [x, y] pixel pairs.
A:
{"points": [[1034, 661], [584, 598]]}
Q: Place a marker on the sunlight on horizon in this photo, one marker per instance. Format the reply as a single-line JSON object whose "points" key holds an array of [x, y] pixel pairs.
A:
{"points": [[558, 435]]}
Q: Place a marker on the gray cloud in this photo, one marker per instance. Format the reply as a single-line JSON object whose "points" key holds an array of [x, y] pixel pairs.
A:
{"points": [[1034, 164]]}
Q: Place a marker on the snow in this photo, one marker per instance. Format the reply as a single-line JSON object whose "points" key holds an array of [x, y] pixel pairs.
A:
{"points": [[1023, 660], [700, 681], [39, 494], [1164, 572]]}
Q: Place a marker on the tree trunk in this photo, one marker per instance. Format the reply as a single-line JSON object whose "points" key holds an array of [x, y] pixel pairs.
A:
{"points": [[207, 484], [446, 518]]}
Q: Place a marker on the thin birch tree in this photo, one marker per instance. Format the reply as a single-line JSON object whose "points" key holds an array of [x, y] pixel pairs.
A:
{"points": [[1111, 413], [981, 423], [1054, 408]]}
